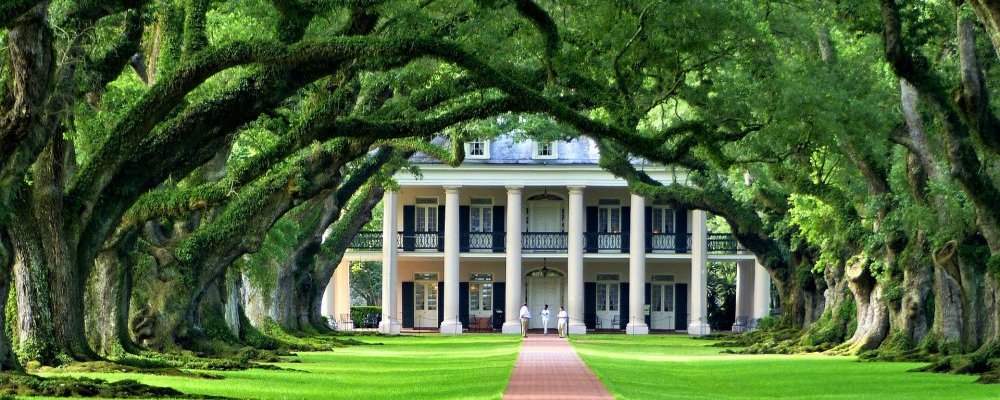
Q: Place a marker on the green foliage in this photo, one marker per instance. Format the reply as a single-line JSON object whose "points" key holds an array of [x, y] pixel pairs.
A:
{"points": [[366, 282], [360, 315]]}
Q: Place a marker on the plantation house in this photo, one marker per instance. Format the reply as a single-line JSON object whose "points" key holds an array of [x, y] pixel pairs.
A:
{"points": [[523, 221]]}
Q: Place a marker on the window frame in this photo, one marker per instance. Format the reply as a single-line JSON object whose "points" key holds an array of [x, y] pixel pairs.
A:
{"points": [[482, 209], [553, 146], [660, 225], [486, 150], [607, 207], [423, 208]]}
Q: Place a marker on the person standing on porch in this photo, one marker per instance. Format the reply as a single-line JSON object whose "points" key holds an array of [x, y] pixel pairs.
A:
{"points": [[525, 315], [545, 320], [562, 321]]}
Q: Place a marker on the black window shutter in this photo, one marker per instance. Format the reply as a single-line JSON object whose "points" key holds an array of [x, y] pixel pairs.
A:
{"points": [[626, 225], [408, 304], [590, 304], [463, 227], [623, 305], [499, 302], [499, 227], [440, 303], [440, 244], [682, 223], [681, 306], [409, 222], [648, 218], [591, 230], [463, 303], [649, 289]]}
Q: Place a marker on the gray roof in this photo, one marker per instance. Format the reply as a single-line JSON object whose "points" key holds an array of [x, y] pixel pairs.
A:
{"points": [[506, 149]]}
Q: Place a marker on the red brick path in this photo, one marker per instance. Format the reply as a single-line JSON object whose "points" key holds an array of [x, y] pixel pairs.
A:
{"points": [[548, 368]]}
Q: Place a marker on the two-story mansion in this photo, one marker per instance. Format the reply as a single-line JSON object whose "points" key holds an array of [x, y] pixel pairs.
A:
{"points": [[542, 223]]}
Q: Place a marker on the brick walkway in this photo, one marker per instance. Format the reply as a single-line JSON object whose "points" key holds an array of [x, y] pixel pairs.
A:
{"points": [[548, 368]]}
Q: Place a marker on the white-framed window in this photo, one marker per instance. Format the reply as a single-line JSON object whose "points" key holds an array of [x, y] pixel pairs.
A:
{"points": [[477, 149], [481, 215], [426, 214], [609, 216], [607, 292], [663, 220], [546, 150], [481, 292]]}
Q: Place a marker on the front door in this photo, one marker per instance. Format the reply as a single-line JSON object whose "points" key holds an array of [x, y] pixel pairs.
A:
{"points": [[542, 291], [481, 299], [425, 304], [607, 305], [662, 306]]}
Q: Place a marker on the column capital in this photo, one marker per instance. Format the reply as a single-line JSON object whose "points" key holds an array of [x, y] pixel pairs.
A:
{"points": [[452, 188], [514, 188], [575, 188]]}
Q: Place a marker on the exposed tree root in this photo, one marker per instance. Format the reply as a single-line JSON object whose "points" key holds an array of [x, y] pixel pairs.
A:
{"points": [[105, 366], [985, 362], [31, 385]]}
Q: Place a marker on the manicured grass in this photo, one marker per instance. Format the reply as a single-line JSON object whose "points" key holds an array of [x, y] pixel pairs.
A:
{"points": [[677, 367], [407, 367]]}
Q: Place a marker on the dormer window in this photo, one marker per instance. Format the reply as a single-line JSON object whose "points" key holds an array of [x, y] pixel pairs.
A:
{"points": [[477, 149], [545, 150]]}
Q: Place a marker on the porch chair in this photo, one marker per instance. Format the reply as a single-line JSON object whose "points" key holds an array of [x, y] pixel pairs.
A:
{"points": [[345, 323]]}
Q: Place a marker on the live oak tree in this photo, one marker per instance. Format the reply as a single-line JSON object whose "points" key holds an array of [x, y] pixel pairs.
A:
{"points": [[149, 148]]}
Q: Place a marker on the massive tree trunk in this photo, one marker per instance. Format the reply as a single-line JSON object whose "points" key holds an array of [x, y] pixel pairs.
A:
{"points": [[293, 277], [949, 304], [34, 337], [832, 327], [66, 277], [911, 321], [8, 360], [108, 299], [988, 12], [872, 312]]}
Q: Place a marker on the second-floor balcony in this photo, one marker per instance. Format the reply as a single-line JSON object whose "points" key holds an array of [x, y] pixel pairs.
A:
{"points": [[548, 242]]}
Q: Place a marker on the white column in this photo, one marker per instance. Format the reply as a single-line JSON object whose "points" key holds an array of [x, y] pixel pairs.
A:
{"points": [[329, 306], [744, 295], [514, 297], [390, 315], [761, 293], [698, 316], [574, 262], [637, 267], [451, 325]]}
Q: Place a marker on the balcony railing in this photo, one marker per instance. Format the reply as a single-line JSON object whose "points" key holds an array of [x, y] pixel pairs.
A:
{"points": [[424, 240], [486, 241], [368, 240], [604, 241], [544, 241], [718, 243], [723, 243]]}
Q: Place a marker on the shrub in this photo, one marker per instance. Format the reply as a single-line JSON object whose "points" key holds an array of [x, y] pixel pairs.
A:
{"points": [[364, 316]]}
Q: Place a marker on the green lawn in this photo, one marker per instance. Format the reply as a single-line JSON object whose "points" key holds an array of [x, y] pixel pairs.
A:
{"points": [[407, 367], [677, 367], [651, 367]]}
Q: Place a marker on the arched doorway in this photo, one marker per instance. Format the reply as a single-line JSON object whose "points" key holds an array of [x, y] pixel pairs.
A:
{"points": [[544, 286]]}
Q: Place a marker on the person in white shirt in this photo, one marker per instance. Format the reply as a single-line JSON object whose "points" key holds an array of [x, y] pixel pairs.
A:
{"points": [[545, 320], [525, 315], [563, 321]]}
